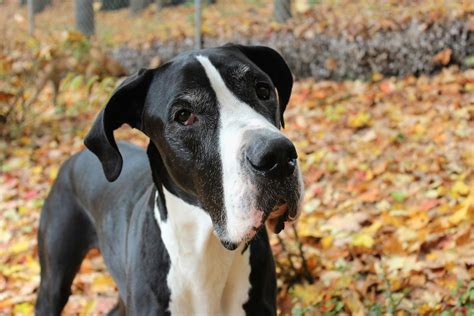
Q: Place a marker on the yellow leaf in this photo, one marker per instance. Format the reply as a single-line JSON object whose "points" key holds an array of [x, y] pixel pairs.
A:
{"points": [[37, 170], [460, 188], [423, 309], [377, 76], [373, 229], [420, 129], [362, 119], [25, 140], [23, 210], [23, 309], [102, 283], [33, 265], [363, 240], [459, 216], [464, 212], [19, 247], [88, 308], [432, 256], [53, 172], [326, 242], [9, 270], [308, 294], [73, 36], [355, 305]]}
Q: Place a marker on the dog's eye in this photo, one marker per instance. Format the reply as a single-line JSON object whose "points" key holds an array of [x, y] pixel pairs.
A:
{"points": [[263, 91], [185, 117]]}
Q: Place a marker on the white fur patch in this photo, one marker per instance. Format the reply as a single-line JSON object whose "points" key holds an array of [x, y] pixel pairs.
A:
{"points": [[236, 117], [204, 277]]}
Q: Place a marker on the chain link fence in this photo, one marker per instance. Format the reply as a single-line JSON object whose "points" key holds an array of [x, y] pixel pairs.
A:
{"points": [[320, 41], [84, 11]]}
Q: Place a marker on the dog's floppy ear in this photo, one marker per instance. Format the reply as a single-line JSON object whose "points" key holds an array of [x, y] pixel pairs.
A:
{"points": [[125, 106], [273, 64]]}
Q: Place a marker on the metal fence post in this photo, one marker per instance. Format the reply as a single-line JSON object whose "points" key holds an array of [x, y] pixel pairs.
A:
{"points": [[282, 10], [197, 24], [31, 17], [84, 14]]}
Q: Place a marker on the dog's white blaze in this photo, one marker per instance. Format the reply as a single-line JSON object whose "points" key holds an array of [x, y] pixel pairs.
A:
{"points": [[204, 277], [236, 117]]}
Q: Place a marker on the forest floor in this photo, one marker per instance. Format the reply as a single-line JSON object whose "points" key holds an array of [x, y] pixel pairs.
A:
{"points": [[388, 216]]}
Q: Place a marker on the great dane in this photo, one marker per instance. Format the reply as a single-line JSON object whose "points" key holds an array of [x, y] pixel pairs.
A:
{"points": [[182, 226]]}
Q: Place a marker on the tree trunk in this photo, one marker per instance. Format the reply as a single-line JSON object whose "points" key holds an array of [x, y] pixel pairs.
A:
{"points": [[84, 13], [109, 5], [138, 5], [159, 5], [281, 10]]}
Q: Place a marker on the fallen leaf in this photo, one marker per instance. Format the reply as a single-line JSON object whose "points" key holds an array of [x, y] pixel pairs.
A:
{"points": [[443, 57]]}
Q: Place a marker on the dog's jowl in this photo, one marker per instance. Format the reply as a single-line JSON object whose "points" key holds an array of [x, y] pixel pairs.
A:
{"points": [[183, 226]]}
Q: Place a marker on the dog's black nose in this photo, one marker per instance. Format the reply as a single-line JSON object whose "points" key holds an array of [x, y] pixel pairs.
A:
{"points": [[273, 156]]}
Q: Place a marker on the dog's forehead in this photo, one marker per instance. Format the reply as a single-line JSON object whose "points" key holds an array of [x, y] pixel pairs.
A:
{"points": [[231, 64], [185, 78]]}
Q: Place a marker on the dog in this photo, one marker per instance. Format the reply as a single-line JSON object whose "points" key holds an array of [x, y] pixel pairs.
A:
{"points": [[182, 226]]}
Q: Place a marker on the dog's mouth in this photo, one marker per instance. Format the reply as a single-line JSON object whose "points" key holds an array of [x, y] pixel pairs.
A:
{"points": [[274, 220], [280, 214], [272, 207]]}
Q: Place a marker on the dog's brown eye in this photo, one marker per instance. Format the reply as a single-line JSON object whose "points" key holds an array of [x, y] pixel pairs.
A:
{"points": [[185, 117], [263, 91]]}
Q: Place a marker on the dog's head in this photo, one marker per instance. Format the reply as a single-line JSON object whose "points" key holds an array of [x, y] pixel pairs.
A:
{"points": [[213, 117]]}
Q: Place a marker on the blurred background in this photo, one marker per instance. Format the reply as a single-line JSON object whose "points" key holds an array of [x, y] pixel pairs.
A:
{"points": [[382, 115]]}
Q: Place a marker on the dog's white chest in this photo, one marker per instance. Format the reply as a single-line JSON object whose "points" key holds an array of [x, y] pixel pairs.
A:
{"points": [[204, 277]]}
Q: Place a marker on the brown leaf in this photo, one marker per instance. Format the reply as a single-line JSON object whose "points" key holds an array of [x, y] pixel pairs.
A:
{"points": [[443, 57]]}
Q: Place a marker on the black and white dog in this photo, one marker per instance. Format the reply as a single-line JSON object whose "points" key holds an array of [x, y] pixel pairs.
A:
{"points": [[185, 238]]}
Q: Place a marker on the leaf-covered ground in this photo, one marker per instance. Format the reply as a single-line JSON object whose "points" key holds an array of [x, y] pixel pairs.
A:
{"points": [[387, 220], [389, 169]]}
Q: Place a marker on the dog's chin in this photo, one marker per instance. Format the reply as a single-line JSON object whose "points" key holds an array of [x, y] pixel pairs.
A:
{"points": [[274, 214], [229, 245], [275, 221], [233, 245]]}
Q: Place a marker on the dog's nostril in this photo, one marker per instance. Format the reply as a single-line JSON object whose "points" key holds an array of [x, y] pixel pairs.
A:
{"points": [[265, 164], [291, 166]]}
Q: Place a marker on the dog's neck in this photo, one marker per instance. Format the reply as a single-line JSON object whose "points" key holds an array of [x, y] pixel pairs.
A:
{"points": [[204, 277], [162, 179]]}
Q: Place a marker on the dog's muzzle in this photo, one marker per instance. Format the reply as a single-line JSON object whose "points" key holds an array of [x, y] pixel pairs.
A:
{"points": [[273, 159]]}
